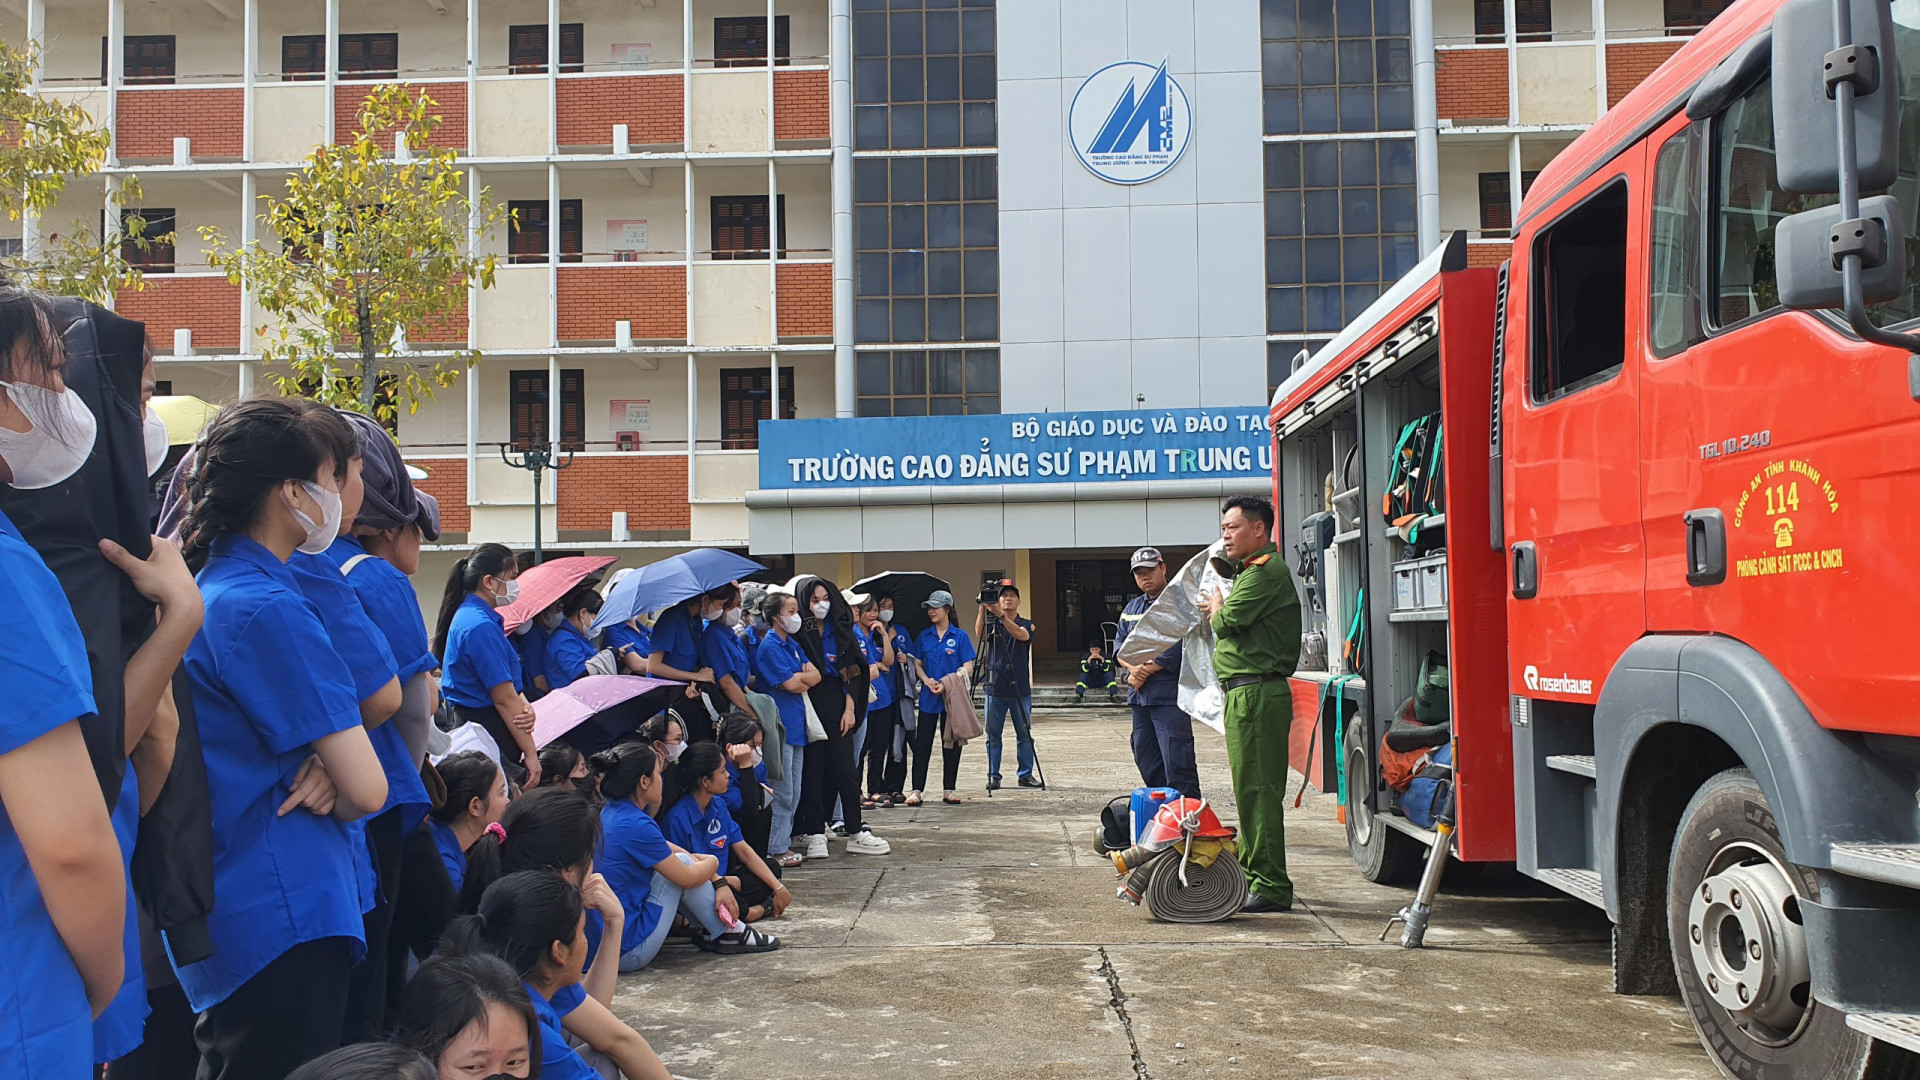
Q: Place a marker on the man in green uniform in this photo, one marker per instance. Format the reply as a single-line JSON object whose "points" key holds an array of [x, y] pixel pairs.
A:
{"points": [[1257, 631]]}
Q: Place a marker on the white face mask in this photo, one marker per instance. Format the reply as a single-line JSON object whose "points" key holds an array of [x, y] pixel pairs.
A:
{"points": [[820, 609], [56, 444], [790, 623], [674, 750], [320, 534], [153, 431], [732, 616], [550, 621], [886, 614], [711, 614], [508, 597], [757, 756]]}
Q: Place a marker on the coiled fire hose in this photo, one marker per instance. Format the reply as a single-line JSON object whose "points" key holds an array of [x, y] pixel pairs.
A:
{"points": [[1179, 889]]}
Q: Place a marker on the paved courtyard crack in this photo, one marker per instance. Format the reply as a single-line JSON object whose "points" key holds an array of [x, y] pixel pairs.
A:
{"points": [[1073, 856], [864, 905], [1118, 1000]]}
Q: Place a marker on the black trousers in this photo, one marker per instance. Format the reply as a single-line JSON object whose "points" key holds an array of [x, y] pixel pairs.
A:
{"points": [[881, 724], [756, 815], [511, 760], [167, 1050], [931, 725], [293, 1011], [696, 718], [831, 771], [367, 993]]}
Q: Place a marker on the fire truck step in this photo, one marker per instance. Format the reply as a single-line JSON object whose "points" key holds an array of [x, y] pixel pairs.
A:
{"points": [[1895, 864], [1900, 1029], [1577, 764], [1581, 884]]}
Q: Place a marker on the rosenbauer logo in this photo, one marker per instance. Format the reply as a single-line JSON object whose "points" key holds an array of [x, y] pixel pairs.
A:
{"points": [[1562, 684], [1129, 122]]}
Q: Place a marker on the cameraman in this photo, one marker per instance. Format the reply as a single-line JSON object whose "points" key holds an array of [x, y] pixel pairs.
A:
{"points": [[1008, 641]]}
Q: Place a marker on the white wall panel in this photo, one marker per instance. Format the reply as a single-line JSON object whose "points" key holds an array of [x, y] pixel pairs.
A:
{"points": [[1165, 257]]}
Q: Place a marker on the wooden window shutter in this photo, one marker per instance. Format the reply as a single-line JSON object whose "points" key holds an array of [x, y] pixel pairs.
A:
{"points": [[527, 49], [527, 236], [570, 231], [573, 409], [573, 47], [303, 57]]}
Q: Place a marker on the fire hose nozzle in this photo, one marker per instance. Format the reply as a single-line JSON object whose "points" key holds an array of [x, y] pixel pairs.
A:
{"points": [[1136, 857]]}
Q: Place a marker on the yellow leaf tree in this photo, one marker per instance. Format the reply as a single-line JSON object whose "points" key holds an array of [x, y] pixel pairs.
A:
{"points": [[369, 245]]}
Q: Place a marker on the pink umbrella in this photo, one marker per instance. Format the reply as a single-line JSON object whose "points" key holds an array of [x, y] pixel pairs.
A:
{"points": [[565, 709], [542, 586]]}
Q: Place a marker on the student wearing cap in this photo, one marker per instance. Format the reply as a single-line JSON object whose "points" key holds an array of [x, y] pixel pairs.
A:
{"points": [[941, 650], [1162, 733]]}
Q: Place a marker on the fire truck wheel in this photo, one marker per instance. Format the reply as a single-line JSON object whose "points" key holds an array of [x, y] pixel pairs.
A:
{"points": [[1384, 855], [1740, 948]]}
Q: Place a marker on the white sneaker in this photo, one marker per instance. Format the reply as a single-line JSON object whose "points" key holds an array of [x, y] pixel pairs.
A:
{"points": [[865, 843], [817, 846]]}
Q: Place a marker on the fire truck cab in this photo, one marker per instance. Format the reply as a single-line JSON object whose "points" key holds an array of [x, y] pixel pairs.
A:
{"points": [[1666, 567]]}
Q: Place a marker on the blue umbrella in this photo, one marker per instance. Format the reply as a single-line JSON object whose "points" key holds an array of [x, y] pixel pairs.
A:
{"points": [[671, 580]]}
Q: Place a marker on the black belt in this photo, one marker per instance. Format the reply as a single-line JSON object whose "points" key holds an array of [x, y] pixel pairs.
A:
{"points": [[1239, 681]]}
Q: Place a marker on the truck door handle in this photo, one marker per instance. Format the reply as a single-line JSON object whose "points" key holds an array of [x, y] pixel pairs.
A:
{"points": [[1706, 547], [1526, 571]]}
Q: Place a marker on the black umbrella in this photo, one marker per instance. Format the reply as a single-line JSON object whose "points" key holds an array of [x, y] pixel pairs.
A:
{"points": [[909, 589]]}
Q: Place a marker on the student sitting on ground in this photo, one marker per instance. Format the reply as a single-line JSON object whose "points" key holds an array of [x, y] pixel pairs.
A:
{"points": [[654, 879], [748, 797], [698, 821], [1096, 671], [536, 922], [564, 764], [476, 797], [471, 1016]]}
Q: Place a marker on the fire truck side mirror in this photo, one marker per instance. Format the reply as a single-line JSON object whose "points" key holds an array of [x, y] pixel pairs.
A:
{"points": [[1809, 65], [1809, 246]]}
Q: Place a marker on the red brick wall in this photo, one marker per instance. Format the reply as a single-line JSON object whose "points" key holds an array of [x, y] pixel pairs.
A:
{"points": [[806, 300], [799, 105], [1471, 84], [211, 116], [210, 306], [650, 106], [652, 490], [592, 298], [447, 482], [449, 101], [1491, 255], [449, 325], [1628, 65]]}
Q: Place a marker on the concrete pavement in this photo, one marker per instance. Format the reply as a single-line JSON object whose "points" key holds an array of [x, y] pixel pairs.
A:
{"points": [[989, 944]]}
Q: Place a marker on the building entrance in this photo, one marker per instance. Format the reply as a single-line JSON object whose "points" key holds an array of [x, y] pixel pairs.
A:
{"points": [[1090, 594]]}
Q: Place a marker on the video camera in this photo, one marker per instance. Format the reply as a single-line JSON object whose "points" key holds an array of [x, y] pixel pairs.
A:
{"points": [[991, 582]]}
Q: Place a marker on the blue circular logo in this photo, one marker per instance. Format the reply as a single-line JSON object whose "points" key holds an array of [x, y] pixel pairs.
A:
{"points": [[1130, 122]]}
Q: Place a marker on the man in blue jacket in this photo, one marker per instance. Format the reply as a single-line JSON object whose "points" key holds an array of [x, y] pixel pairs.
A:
{"points": [[1162, 733]]}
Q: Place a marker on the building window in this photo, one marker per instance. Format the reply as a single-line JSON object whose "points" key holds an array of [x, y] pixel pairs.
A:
{"points": [[157, 256], [1580, 297], [1532, 20], [738, 226], [148, 60], [741, 41], [746, 396], [1336, 66], [303, 57], [1340, 224], [1496, 207], [935, 382], [1280, 359], [369, 56], [927, 249], [527, 48], [527, 234], [924, 76], [1686, 17], [527, 400]]}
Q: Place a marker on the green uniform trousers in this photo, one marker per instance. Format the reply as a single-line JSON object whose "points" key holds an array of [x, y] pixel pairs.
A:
{"points": [[1259, 721]]}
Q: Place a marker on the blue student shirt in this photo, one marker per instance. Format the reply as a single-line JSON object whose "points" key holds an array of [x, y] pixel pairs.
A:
{"points": [[631, 846], [558, 1061], [387, 599], [676, 635], [875, 648], [780, 659], [122, 1027], [479, 657], [623, 634], [721, 650], [46, 682], [941, 655], [1163, 686], [266, 685], [703, 832], [529, 640], [568, 651], [732, 797], [451, 854]]}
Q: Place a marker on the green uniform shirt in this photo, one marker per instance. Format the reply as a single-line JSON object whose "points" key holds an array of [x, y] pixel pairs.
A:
{"points": [[1257, 630]]}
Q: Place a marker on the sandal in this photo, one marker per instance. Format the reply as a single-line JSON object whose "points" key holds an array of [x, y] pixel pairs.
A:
{"points": [[744, 940], [951, 799], [755, 913], [789, 860], [913, 799], [871, 804]]}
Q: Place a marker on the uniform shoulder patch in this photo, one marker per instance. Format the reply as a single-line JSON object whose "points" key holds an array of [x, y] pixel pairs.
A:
{"points": [[1261, 561]]}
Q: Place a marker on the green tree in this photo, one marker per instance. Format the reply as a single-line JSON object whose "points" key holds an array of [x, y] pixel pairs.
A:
{"points": [[369, 245], [48, 145]]}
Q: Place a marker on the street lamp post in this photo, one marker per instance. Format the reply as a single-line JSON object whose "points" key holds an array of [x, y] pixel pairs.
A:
{"points": [[537, 458]]}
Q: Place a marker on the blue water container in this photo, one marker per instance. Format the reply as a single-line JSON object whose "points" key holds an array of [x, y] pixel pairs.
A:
{"points": [[1146, 803]]}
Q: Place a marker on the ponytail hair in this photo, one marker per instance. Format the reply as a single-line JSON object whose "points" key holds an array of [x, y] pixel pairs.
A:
{"points": [[519, 919], [548, 828], [468, 775], [252, 447], [696, 762], [623, 767], [487, 560]]}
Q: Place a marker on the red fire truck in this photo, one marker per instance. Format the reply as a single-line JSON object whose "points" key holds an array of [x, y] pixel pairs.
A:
{"points": [[1643, 494]]}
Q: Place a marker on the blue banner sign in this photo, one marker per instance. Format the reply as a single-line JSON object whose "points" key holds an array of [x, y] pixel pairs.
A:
{"points": [[1035, 448]]}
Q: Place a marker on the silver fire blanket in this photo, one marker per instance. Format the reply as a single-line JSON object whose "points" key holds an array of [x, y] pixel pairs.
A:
{"points": [[1174, 618]]}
